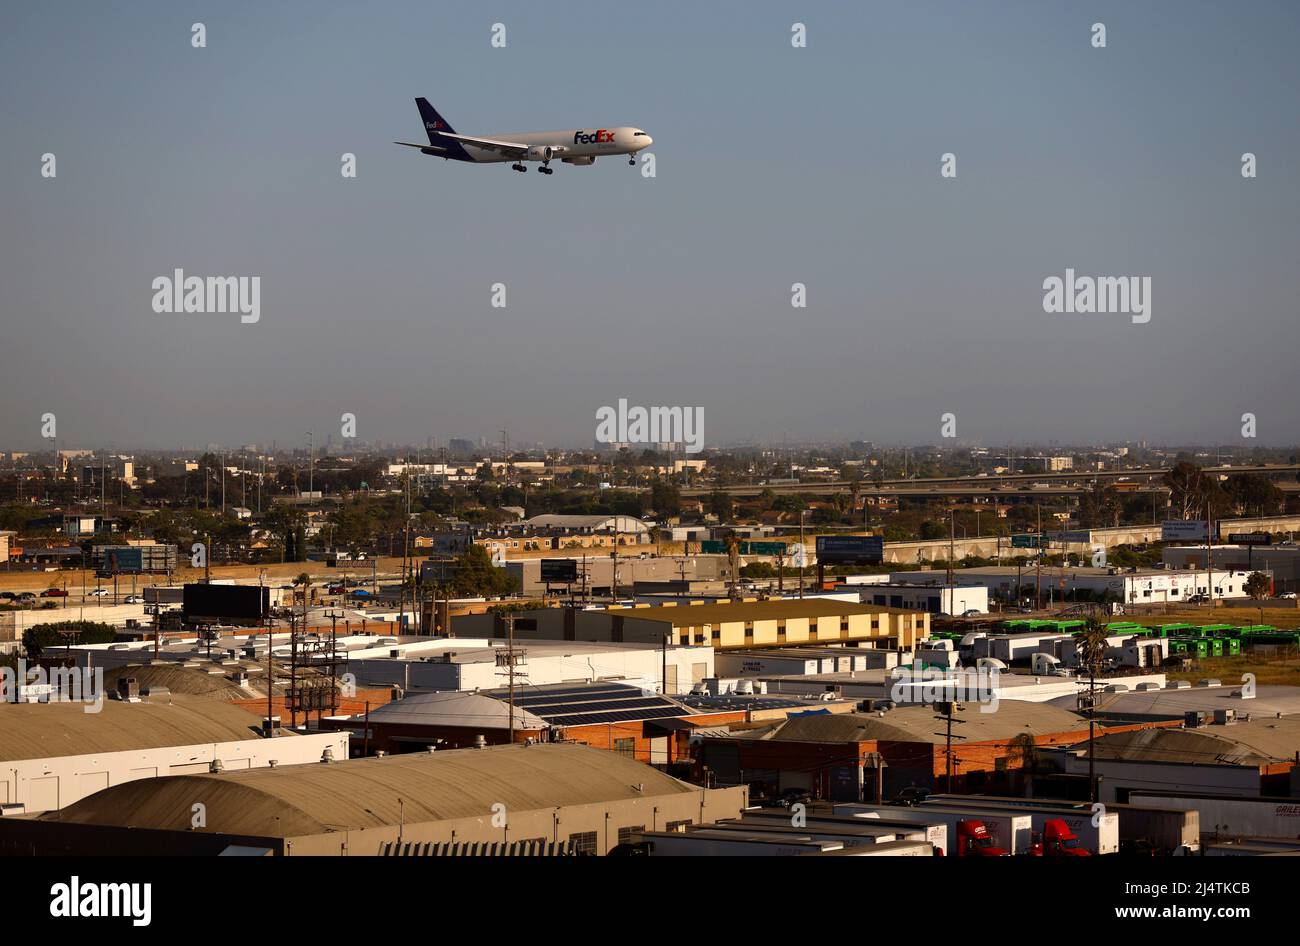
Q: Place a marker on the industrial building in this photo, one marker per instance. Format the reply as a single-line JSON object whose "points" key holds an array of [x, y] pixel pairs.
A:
{"points": [[935, 599], [595, 573], [723, 625], [522, 797], [54, 754], [841, 756], [465, 663], [624, 719], [1281, 561], [1144, 586], [1226, 753]]}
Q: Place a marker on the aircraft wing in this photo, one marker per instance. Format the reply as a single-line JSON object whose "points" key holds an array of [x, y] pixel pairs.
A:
{"points": [[412, 144], [510, 149]]}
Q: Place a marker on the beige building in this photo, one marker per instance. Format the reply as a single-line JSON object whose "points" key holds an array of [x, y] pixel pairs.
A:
{"points": [[721, 625], [577, 798], [55, 754]]}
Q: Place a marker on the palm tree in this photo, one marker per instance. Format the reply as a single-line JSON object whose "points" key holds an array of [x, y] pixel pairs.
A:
{"points": [[1024, 751]]}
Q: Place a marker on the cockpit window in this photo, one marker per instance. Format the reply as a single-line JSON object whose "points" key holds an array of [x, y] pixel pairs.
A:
{"points": [[638, 134]]}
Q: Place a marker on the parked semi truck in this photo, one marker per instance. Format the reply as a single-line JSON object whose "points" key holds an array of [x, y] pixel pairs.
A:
{"points": [[850, 835], [726, 843], [1244, 816], [1066, 831], [935, 834], [1142, 829], [995, 834]]}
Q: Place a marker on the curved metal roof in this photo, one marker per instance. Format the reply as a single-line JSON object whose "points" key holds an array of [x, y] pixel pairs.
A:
{"points": [[296, 800]]}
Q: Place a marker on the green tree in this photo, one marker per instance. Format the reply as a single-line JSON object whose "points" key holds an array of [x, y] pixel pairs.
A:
{"points": [[41, 637], [477, 577]]}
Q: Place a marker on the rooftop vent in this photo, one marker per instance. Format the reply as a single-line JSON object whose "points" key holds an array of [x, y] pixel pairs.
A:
{"points": [[1209, 683], [1178, 685]]}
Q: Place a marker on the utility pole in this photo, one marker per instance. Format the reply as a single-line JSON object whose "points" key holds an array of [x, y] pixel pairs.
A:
{"points": [[510, 657], [311, 461], [1038, 566], [952, 541]]}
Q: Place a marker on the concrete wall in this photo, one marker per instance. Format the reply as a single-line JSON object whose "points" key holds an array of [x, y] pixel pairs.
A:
{"points": [[58, 781]]}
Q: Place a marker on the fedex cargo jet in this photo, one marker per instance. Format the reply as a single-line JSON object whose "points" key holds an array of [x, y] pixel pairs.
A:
{"points": [[579, 146]]}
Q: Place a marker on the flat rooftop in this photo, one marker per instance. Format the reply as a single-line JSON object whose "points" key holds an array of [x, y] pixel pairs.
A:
{"points": [[691, 615]]}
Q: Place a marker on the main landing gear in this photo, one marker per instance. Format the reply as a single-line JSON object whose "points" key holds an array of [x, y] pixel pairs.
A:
{"points": [[519, 167], [545, 170]]}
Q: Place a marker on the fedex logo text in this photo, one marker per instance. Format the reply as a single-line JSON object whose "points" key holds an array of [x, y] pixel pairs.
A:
{"points": [[596, 137]]}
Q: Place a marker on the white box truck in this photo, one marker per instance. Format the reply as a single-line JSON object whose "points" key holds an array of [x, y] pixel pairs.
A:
{"points": [[1063, 831], [986, 834]]}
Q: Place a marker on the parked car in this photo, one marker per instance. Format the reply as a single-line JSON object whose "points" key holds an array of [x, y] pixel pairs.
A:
{"points": [[99, 593], [133, 599], [910, 797], [54, 593], [793, 796]]}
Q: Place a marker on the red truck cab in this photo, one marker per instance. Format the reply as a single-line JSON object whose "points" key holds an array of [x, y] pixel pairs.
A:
{"points": [[1057, 840], [974, 840]]}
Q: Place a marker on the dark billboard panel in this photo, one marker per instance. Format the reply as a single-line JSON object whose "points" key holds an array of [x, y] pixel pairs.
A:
{"points": [[225, 604], [559, 571], [850, 550]]}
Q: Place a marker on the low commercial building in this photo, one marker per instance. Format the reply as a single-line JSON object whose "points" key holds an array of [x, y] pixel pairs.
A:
{"points": [[837, 756], [1281, 561], [54, 754], [1137, 586], [541, 798], [623, 719], [934, 599], [461, 663], [722, 625], [1224, 754]]}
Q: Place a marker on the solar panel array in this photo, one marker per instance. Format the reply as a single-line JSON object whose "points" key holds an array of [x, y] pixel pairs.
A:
{"points": [[598, 703]]}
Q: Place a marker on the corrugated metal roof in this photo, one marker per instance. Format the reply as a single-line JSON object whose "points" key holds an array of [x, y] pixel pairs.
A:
{"points": [[294, 800], [1254, 743], [919, 724], [47, 730]]}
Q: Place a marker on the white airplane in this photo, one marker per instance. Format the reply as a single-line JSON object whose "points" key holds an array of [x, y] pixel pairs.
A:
{"points": [[579, 146]]}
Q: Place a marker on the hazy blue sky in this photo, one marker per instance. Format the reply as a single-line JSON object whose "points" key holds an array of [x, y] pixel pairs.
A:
{"points": [[775, 165]]}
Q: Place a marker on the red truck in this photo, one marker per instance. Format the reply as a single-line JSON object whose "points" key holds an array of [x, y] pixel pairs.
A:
{"points": [[974, 840], [1057, 840]]}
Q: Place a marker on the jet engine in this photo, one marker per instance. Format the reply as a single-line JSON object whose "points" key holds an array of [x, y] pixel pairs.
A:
{"points": [[544, 152]]}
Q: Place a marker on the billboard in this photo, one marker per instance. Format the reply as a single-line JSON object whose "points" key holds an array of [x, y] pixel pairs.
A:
{"points": [[1028, 540], [225, 604], [850, 549], [1250, 538], [1183, 530], [559, 571]]}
